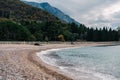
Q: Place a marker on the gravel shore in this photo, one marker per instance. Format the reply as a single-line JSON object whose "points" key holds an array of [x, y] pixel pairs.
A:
{"points": [[20, 62]]}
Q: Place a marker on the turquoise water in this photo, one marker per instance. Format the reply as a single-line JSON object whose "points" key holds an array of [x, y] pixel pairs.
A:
{"points": [[88, 63]]}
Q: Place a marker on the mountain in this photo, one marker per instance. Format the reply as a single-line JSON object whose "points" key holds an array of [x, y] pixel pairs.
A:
{"points": [[19, 11], [54, 11]]}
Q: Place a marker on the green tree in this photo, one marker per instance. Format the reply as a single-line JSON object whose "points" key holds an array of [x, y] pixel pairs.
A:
{"points": [[11, 31], [68, 35]]}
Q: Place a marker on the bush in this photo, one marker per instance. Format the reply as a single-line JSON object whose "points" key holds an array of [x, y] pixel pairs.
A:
{"points": [[11, 31]]}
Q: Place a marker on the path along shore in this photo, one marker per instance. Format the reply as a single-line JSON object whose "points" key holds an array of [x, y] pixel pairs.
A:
{"points": [[20, 62]]}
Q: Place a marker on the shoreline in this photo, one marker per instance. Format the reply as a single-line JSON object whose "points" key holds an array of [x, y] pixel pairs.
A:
{"points": [[53, 69], [50, 69], [21, 62]]}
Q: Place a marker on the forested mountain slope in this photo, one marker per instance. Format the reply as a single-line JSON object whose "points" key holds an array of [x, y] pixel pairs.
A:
{"points": [[17, 10]]}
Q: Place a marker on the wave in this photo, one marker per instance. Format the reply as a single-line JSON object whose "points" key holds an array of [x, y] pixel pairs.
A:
{"points": [[85, 74], [50, 57], [45, 56]]}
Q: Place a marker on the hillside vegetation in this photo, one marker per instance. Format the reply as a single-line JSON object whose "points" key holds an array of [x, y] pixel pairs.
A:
{"points": [[54, 11], [18, 11], [21, 22], [10, 31]]}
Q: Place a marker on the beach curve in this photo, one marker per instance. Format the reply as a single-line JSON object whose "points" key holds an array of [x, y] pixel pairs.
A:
{"points": [[20, 62]]}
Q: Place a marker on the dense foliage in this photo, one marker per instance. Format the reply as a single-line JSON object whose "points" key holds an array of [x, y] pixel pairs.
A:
{"points": [[22, 22], [53, 31], [104, 34], [10, 31], [19, 11]]}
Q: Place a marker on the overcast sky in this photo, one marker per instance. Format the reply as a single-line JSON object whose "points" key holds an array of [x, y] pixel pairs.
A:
{"points": [[90, 12]]}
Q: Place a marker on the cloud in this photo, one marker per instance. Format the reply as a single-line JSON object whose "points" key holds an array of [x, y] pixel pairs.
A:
{"points": [[117, 15], [90, 12]]}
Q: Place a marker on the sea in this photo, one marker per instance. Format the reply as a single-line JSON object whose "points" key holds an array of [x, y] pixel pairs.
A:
{"points": [[86, 63]]}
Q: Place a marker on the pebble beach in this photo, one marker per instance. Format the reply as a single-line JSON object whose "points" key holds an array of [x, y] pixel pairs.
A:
{"points": [[20, 62]]}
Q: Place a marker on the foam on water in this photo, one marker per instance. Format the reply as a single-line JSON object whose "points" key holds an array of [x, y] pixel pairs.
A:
{"points": [[80, 64], [47, 59], [84, 74]]}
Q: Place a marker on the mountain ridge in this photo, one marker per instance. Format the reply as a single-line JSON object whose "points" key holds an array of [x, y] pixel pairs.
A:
{"points": [[18, 10], [54, 11]]}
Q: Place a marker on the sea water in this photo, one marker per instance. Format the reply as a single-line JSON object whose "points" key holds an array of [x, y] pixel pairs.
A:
{"points": [[86, 63]]}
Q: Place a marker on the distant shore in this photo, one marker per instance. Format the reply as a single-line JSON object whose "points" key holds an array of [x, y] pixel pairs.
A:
{"points": [[20, 62]]}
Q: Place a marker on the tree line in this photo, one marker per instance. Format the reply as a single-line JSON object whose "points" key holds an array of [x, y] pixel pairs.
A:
{"points": [[104, 34], [53, 31]]}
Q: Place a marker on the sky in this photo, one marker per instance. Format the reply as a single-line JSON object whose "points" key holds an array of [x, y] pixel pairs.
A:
{"points": [[92, 13]]}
